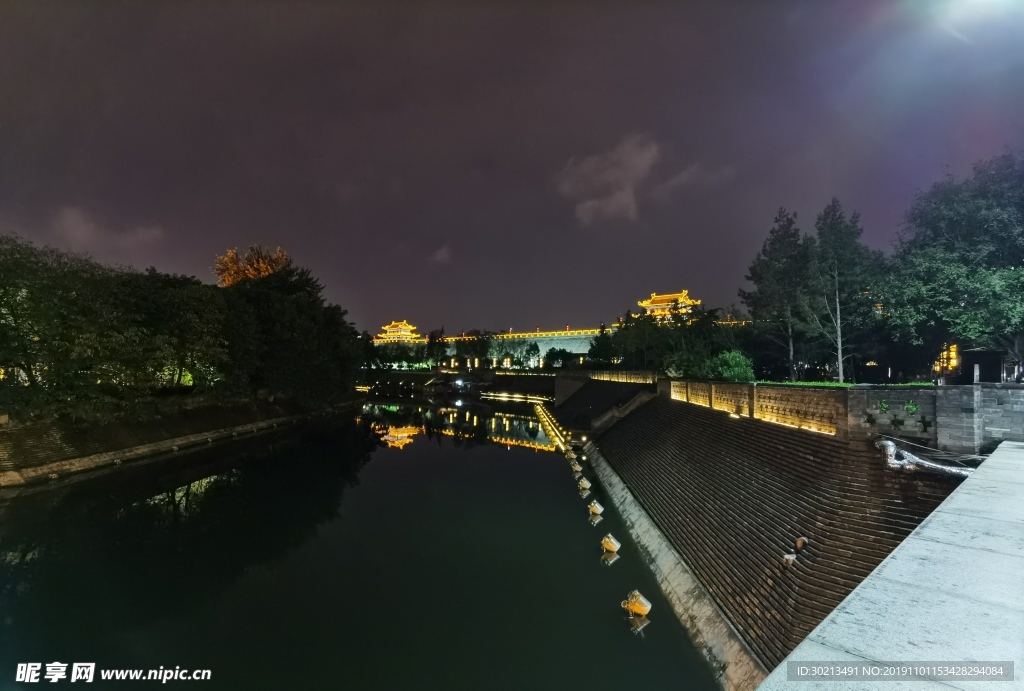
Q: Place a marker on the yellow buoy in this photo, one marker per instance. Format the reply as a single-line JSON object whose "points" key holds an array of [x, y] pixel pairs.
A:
{"points": [[610, 544], [595, 507], [636, 604]]}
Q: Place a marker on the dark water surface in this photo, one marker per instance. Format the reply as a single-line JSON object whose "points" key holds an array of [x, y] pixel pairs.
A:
{"points": [[329, 562]]}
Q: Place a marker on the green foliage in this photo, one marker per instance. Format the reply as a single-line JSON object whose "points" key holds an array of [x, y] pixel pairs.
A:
{"points": [[559, 357], [602, 349], [732, 365], [959, 264], [844, 276], [780, 274], [436, 350], [80, 338], [642, 341], [911, 407], [694, 343], [519, 351]]}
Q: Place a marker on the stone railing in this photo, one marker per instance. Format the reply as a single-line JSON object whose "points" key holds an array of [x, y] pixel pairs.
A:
{"points": [[819, 410], [626, 376], [970, 419]]}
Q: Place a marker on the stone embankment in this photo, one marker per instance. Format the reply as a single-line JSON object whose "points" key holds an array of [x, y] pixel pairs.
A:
{"points": [[58, 470], [38, 453], [757, 531]]}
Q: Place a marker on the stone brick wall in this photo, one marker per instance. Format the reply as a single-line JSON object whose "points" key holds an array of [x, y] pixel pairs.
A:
{"points": [[734, 497], [820, 410], [699, 392], [566, 384], [678, 391], [626, 376], [732, 398], [1002, 410], [873, 411], [960, 426]]}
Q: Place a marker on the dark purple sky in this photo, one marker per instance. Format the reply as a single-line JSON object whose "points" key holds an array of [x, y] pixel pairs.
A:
{"points": [[490, 164]]}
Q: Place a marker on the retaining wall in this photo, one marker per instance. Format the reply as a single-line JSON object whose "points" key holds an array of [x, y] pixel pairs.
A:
{"points": [[968, 419], [711, 632], [733, 495]]}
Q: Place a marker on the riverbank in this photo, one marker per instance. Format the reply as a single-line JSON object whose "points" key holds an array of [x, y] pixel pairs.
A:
{"points": [[43, 453], [756, 531], [721, 646]]}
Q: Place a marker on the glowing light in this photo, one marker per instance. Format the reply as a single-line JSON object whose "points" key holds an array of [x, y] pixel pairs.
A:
{"points": [[662, 305]]}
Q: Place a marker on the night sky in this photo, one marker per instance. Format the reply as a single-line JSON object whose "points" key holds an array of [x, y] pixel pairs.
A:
{"points": [[490, 164]]}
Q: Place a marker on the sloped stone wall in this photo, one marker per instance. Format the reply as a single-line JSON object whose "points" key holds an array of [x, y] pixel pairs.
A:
{"points": [[734, 495]]}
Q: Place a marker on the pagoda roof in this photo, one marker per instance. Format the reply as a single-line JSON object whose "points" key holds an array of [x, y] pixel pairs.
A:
{"points": [[399, 325], [669, 299]]}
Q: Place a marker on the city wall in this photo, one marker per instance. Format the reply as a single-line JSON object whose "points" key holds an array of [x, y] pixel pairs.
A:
{"points": [[968, 419], [757, 525]]}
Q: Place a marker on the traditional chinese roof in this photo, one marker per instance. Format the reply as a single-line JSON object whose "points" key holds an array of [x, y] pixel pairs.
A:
{"points": [[668, 300], [399, 325]]}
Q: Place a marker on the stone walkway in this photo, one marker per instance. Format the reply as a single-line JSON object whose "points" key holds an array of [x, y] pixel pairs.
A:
{"points": [[952, 592]]}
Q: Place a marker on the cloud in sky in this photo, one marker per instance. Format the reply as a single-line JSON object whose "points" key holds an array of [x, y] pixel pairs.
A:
{"points": [[442, 256], [604, 185], [75, 229], [690, 176]]}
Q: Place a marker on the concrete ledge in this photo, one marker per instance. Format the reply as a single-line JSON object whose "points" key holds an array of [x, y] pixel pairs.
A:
{"points": [[721, 647], [61, 469], [953, 591]]}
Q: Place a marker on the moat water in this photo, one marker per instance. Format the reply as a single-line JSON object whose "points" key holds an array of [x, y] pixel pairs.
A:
{"points": [[456, 553]]}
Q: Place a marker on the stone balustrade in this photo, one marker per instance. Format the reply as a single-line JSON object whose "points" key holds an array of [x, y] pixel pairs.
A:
{"points": [[966, 419]]}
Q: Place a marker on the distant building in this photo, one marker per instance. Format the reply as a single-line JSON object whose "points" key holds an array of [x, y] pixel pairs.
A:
{"points": [[398, 332], [661, 306]]}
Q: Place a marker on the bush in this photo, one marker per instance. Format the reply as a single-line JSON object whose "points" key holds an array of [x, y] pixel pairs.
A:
{"points": [[732, 365]]}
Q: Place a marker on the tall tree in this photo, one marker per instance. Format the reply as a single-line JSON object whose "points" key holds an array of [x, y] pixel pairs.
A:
{"points": [[844, 278], [602, 350], [781, 278], [959, 261], [230, 268]]}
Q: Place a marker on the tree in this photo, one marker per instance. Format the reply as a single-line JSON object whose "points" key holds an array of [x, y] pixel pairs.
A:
{"points": [[844, 272], [558, 357], [602, 349], [436, 351], [694, 343], [287, 340], [642, 340], [959, 263], [731, 365], [256, 263], [780, 275], [531, 353]]}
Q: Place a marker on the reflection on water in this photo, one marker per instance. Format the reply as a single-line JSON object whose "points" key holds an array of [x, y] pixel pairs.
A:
{"points": [[126, 552], [460, 558], [468, 424]]}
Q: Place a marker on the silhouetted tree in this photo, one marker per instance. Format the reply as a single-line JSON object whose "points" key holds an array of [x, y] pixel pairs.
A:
{"points": [[230, 268], [780, 275]]}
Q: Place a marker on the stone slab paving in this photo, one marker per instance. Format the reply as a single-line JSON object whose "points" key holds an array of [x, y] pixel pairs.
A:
{"points": [[953, 591]]}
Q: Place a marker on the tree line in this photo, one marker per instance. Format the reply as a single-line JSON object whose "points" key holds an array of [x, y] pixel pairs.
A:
{"points": [[821, 306], [82, 338]]}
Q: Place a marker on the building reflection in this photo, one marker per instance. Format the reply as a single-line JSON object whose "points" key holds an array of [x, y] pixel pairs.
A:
{"points": [[507, 423]]}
